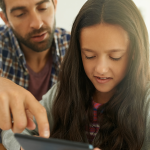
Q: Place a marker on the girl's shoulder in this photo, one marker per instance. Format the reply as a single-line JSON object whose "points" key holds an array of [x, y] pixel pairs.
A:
{"points": [[147, 100], [146, 111], [48, 99], [147, 95]]}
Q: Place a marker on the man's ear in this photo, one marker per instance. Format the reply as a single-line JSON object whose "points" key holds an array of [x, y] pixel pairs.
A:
{"points": [[3, 16], [55, 3]]}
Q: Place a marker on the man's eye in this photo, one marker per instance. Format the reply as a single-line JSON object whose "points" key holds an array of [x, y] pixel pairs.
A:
{"points": [[115, 59], [20, 15], [43, 9], [89, 57]]}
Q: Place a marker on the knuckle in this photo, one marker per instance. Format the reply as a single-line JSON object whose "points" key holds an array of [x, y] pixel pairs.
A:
{"points": [[28, 94], [3, 98], [16, 102], [20, 125], [46, 125], [42, 110], [15, 94], [5, 126]]}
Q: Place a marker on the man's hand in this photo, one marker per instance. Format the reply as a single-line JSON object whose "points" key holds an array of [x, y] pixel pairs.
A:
{"points": [[23, 106], [96, 148], [21, 148]]}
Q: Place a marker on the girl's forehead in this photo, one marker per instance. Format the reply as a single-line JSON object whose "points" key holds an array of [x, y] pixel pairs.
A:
{"points": [[104, 36]]}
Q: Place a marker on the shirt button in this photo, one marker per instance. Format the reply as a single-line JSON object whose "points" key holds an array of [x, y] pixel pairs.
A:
{"points": [[25, 73]]}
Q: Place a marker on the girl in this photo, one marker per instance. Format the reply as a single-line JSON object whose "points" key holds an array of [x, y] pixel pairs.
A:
{"points": [[103, 94]]}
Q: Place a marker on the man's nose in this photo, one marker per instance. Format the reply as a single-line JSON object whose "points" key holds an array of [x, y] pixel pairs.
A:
{"points": [[36, 21]]}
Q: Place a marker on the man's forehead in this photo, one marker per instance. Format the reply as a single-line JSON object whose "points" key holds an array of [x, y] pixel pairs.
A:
{"points": [[16, 3]]}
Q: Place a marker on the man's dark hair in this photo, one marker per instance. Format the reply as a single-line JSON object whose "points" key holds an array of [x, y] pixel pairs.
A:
{"points": [[3, 7]]}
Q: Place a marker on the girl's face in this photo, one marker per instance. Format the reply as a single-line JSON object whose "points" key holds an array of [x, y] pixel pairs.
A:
{"points": [[104, 51]]}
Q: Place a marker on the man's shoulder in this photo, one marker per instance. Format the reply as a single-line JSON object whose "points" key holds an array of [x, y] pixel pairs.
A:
{"points": [[60, 32], [62, 41], [4, 31], [6, 37], [8, 43], [3, 28]]}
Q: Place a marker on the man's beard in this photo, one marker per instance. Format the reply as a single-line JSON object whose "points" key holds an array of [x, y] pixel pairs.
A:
{"points": [[37, 46]]}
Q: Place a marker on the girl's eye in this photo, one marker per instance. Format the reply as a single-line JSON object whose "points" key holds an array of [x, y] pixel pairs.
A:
{"points": [[115, 59], [89, 57]]}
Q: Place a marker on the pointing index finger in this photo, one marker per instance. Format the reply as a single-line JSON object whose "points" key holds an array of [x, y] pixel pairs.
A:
{"points": [[40, 114]]}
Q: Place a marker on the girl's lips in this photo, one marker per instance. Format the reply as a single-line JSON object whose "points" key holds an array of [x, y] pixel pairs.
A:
{"points": [[102, 81], [40, 37]]}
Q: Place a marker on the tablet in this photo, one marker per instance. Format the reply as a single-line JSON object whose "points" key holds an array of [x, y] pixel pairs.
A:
{"points": [[37, 143]]}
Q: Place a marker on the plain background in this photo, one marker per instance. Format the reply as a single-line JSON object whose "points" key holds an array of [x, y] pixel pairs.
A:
{"points": [[68, 9]]}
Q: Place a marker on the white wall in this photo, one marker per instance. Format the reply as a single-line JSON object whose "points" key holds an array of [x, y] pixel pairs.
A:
{"points": [[144, 6], [67, 11]]}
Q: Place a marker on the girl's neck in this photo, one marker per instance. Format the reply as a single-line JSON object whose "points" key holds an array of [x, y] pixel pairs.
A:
{"points": [[101, 97]]}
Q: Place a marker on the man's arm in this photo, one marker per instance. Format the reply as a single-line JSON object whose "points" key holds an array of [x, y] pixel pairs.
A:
{"points": [[47, 101], [22, 105]]}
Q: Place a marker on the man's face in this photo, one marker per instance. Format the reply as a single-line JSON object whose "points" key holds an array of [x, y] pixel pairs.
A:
{"points": [[32, 21]]}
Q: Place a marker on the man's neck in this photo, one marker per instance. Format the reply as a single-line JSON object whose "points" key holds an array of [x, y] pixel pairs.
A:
{"points": [[36, 60]]}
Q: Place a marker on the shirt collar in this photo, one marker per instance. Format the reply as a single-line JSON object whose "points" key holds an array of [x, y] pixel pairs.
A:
{"points": [[56, 44], [15, 43]]}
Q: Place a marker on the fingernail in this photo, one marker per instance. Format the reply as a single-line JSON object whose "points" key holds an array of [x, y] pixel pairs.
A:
{"points": [[46, 134]]}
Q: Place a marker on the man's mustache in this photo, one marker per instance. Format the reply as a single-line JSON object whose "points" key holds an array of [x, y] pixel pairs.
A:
{"points": [[35, 32]]}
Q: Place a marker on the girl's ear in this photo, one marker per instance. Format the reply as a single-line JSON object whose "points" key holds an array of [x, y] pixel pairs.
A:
{"points": [[2, 15]]}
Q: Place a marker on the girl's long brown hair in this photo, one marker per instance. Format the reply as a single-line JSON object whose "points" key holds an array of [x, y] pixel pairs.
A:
{"points": [[122, 123]]}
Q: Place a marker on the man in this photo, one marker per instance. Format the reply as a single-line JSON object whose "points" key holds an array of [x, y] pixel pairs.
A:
{"points": [[31, 50]]}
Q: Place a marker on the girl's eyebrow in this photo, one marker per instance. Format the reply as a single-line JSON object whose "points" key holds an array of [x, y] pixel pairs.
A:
{"points": [[112, 50]]}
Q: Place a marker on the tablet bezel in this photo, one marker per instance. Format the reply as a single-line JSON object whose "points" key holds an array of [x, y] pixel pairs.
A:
{"points": [[51, 142]]}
